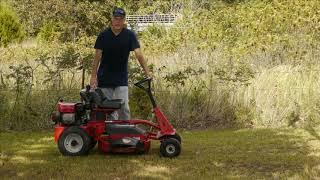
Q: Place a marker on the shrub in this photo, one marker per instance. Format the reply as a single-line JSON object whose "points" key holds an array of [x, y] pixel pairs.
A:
{"points": [[10, 28]]}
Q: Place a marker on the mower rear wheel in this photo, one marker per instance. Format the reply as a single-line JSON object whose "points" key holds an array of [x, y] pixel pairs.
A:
{"points": [[74, 141], [170, 147]]}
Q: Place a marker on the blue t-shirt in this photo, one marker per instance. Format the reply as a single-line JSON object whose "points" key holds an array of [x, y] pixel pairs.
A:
{"points": [[113, 69]]}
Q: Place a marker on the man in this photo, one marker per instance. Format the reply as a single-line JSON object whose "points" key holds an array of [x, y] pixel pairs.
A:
{"points": [[113, 47]]}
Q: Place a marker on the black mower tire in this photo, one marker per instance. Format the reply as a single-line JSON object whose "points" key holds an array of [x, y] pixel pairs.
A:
{"points": [[80, 137], [170, 147], [175, 136]]}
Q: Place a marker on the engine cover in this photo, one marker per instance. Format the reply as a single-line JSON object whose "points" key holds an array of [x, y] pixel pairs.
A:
{"points": [[66, 107], [69, 113]]}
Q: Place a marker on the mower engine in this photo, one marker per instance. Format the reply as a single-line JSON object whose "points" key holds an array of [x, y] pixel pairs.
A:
{"points": [[69, 113]]}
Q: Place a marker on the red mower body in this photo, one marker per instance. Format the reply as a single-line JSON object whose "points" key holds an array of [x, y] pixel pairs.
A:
{"points": [[80, 126]]}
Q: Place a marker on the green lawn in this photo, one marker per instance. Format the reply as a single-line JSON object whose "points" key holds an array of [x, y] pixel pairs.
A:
{"points": [[228, 154]]}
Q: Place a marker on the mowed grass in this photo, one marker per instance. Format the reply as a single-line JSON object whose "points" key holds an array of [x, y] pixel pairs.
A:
{"points": [[227, 154]]}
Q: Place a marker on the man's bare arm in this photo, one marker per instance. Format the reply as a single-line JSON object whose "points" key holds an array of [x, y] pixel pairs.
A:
{"points": [[142, 61], [95, 65]]}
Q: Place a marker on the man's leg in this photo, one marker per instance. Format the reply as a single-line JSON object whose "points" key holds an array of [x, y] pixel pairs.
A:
{"points": [[121, 92], [109, 93]]}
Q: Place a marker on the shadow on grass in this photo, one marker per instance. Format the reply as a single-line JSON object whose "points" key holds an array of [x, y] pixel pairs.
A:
{"points": [[258, 153]]}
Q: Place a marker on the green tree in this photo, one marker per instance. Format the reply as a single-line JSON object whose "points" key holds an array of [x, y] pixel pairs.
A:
{"points": [[10, 28], [63, 20]]}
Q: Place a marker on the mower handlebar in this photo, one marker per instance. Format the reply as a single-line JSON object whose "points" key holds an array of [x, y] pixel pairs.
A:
{"points": [[140, 84], [147, 89]]}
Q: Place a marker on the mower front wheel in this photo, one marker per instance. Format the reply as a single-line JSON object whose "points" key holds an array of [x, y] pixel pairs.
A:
{"points": [[170, 147], [175, 136], [74, 141], [178, 137]]}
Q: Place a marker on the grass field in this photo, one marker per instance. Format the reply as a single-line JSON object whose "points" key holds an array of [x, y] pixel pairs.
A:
{"points": [[227, 154]]}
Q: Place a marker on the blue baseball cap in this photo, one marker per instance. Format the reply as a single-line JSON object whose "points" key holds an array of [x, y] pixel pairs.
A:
{"points": [[119, 12]]}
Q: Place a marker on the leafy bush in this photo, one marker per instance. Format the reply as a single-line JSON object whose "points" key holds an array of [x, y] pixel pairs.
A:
{"points": [[49, 32], [69, 19], [10, 28], [244, 28]]}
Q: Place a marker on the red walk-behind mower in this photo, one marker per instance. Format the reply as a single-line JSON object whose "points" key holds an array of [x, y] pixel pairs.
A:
{"points": [[80, 126]]}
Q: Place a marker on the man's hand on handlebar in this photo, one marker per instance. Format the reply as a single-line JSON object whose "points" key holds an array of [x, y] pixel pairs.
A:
{"points": [[149, 76], [93, 82]]}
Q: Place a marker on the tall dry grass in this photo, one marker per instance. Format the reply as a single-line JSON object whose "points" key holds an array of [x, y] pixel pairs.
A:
{"points": [[282, 92]]}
